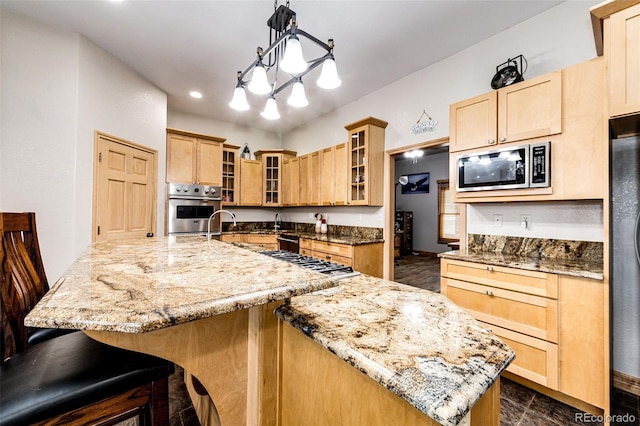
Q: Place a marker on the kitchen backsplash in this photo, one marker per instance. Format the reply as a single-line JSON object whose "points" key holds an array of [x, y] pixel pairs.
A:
{"points": [[338, 231], [537, 247]]}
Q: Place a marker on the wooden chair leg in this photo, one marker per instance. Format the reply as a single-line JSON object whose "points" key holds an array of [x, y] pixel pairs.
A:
{"points": [[160, 402]]}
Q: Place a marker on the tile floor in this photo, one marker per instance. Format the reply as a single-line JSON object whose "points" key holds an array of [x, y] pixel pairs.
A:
{"points": [[519, 406]]}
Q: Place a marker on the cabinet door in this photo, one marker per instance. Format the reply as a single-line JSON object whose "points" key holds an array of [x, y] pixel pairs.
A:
{"points": [[327, 180], [305, 185], [271, 174], [624, 65], [530, 109], [315, 178], [358, 194], [209, 163], [340, 185], [294, 180], [250, 182], [473, 122], [181, 159], [286, 182], [229, 176]]}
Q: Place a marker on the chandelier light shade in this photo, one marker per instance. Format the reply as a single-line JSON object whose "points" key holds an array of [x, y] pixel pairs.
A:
{"points": [[271, 109], [259, 83], [282, 64], [298, 98], [329, 75]]}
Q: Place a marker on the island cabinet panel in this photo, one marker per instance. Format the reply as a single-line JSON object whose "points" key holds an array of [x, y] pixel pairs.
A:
{"points": [[623, 51], [193, 158], [319, 388], [556, 324], [524, 110]]}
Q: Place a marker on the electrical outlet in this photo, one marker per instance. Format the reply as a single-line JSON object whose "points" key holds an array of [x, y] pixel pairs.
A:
{"points": [[311, 216], [497, 220], [525, 221], [380, 217]]}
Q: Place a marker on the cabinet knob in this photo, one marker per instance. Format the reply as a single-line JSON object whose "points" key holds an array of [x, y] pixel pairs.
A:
{"points": [[489, 293], [503, 139], [490, 268], [328, 257], [491, 141]]}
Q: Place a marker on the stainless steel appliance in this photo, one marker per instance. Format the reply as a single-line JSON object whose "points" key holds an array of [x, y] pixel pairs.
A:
{"points": [[523, 166], [190, 207], [625, 253], [335, 270], [289, 242]]}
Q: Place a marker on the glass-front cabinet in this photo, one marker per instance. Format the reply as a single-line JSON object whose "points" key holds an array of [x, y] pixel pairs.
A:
{"points": [[272, 160], [366, 162], [229, 175]]}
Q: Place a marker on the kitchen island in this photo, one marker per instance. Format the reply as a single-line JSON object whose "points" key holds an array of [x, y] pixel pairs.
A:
{"points": [[207, 306]]}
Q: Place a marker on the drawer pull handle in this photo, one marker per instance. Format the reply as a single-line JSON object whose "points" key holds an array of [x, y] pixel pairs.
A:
{"points": [[328, 257], [489, 293], [490, 268]]}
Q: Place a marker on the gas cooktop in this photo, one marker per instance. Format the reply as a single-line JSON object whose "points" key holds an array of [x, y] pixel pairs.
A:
{"points": [[335, 270]]}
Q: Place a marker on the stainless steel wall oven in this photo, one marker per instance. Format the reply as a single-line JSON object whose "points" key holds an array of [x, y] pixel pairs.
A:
{"points": [[190, 207]]}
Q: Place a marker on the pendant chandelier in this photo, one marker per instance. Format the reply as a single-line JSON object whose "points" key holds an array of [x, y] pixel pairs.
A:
{"points": [[284, 53]]}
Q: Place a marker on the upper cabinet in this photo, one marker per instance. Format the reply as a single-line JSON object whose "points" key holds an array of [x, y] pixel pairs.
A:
{"points": [[365, 171], [250, 188], [272, 180], [333, 176], [194, 158], [229, 174], [309, 173], [578, 158], [525, 110], [623, 46], [291, 182]]}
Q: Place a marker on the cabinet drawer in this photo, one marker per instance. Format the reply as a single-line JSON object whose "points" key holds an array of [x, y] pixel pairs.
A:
{"points": [[305, 243], [331, 248], [305, 252], [232, 238], [536, 360], [524, 313], [262, 239], [531, 282], [342, 260]]}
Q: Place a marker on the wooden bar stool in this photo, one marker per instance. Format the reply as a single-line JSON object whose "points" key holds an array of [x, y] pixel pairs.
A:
{"points": [[68, 379]]}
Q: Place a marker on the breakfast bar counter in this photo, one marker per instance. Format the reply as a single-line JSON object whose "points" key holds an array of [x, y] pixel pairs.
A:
{"points": [[208, 306]]}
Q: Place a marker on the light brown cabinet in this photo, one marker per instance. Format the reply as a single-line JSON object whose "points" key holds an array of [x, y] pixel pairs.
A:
{"points": [[365, 153], [291, 182], [623, 50], [555, 324], [525, 110], [265, 241], [230, 175], [333, 177], [364, 258], [272, 180], [250, 182], [578, 154], [194, 158], [309, 171]]}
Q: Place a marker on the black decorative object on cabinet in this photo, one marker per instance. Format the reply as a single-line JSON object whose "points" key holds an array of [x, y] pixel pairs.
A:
{"points": [[404, 229]]}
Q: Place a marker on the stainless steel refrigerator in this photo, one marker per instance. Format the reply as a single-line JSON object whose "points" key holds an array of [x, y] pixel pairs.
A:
{"points": [[625, 258]]}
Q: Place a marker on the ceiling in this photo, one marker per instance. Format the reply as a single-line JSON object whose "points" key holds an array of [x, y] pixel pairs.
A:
{"points": [[181, 45]]}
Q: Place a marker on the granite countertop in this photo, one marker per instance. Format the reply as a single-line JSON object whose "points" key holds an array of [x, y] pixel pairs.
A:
{"points": [[416, 343], [571, 267], [135, 286]]}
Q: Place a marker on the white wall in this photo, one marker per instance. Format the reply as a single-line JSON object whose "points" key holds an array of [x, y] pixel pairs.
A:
{"points": [[57, 89], [424, 206], [560, 37]]}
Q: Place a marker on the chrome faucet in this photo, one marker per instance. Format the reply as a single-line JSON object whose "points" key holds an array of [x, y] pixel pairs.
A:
{"points": [[278, 222], [233, 216]]}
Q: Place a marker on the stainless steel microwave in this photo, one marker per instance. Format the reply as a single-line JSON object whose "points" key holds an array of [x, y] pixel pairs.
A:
{"points": [[523, 166]]}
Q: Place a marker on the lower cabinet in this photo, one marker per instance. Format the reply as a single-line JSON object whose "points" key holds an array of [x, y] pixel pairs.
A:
{"points": [[556, 324], [363, 258], [266, 241]]}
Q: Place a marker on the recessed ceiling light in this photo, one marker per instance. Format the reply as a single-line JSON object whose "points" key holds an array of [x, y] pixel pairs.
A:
{"points": [[195, 94]]}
